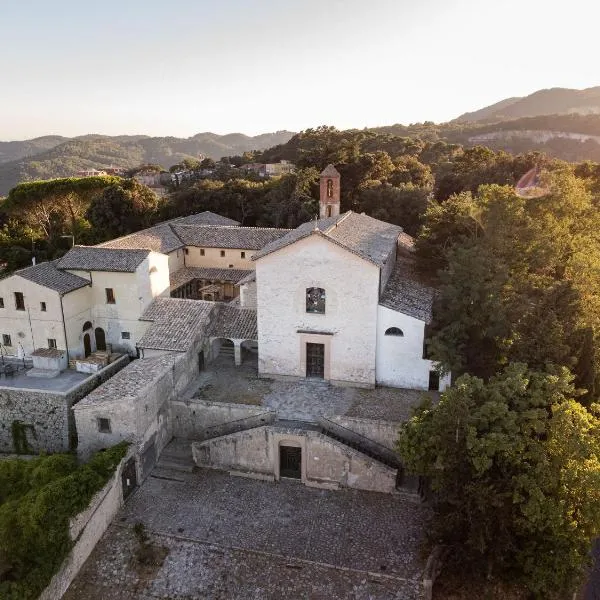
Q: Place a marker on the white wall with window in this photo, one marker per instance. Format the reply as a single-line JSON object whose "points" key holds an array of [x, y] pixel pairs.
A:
{"points": [[399, 361]]}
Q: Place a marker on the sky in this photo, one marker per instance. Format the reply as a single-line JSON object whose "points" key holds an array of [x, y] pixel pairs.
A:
{"points": [[254, 66]]}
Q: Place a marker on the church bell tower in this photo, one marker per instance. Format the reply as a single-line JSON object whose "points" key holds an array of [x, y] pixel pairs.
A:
{"points": [[330, 193]]}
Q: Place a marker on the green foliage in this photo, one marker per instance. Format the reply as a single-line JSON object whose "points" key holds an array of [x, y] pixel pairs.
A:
{"points": [[514, 465], [37, 500], [519, 279], [122, 208]]}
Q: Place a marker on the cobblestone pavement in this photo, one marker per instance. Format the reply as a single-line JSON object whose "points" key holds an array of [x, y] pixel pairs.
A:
{"points": [[305, 399], [230, 537]]}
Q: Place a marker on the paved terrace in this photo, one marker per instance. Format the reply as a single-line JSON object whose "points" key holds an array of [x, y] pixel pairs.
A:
{"points": [[236, 538], [306, 399], [64, 382]]}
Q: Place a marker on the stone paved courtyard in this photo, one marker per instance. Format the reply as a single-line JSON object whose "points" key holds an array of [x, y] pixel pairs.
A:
{"points": [[306, 399], [230, 537]]}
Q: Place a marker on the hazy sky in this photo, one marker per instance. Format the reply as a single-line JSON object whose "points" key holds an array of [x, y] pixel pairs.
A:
{"points": [[179, 68]]}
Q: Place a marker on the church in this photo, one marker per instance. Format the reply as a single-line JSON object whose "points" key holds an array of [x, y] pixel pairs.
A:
{"points": [[111, 342]]}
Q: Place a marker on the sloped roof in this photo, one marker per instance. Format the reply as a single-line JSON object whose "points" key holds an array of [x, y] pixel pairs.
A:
{"points": [[406, 294], [162, 238], [244, 238], [235, 323], [330, 171], [129, 382], [92, 258], [205, 218], [176, 323], [47, 275], [187, 274], [364, 236]]}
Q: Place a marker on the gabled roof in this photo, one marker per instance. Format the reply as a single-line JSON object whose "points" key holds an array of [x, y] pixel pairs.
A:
{"points": [[364, 236], [176, 323], [406, 294], [235, 323], [205, 218], [162, 238], [330, 171], [244, 238], [92, 258], [47, 275]]}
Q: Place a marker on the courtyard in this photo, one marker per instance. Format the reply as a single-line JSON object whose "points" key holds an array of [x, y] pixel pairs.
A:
{"points": [[303, 400], [229, 537]]}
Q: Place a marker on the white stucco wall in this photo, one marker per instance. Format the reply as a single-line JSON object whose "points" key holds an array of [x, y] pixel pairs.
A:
{"points": [[248, 295], [400, 361], [212, 258], [31, 327], [133, 293], [351, 285]]}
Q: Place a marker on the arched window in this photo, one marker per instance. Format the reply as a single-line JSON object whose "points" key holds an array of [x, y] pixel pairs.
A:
{"points": [[87, 325], [315, 300], [394, 331], [330, 188]]}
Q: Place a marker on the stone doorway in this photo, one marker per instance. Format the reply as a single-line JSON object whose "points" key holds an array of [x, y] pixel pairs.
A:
{"points": [[100, 339], [290, 462], [315, 360], [87, 345]]}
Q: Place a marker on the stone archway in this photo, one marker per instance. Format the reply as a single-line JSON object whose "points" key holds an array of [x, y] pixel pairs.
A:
{"points": [[100, 339], [223, 348]]}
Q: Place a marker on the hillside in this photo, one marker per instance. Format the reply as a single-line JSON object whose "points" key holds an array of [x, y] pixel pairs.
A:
{"points": [[555, 101], [53, 156]]}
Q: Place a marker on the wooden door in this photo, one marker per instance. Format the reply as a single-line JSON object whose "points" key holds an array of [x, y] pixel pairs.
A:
{"points": [[315, 360]]}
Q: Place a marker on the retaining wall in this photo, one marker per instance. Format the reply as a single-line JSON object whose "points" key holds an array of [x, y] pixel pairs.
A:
{"points": [[86, 529]]}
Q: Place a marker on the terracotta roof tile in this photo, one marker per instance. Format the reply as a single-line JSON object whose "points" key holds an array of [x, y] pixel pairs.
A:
{"points": [[47, 275]]}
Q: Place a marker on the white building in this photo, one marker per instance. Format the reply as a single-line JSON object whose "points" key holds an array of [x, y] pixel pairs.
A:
{"points": [[335, 299]]}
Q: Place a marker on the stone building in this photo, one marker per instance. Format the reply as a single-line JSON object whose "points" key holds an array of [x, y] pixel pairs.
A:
{"points": [[336, 299]]}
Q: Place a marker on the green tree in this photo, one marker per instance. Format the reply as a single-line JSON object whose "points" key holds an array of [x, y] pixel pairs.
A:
{"points": [[514, 468], [122, 209]]}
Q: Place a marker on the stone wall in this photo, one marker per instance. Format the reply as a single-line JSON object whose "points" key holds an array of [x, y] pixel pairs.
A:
{"points": [[86, 529], [46, 418], [326, 462], [382, 432], [200, 419]]}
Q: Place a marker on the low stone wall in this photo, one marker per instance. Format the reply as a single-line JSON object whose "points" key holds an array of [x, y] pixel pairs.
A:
{"points": [[201, 419], [326, 462], [382, 432], [86, 529]]}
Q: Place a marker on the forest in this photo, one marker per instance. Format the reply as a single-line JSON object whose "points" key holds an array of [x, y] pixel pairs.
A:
{"points": [[512, 450]]}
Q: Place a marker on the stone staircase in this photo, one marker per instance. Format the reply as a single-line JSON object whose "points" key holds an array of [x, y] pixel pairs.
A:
{"points": [[177, 456]]}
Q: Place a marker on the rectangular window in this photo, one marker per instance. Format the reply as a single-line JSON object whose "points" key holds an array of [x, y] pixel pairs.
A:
{"points": [[103, 425], [19, 301], [242, 254], [6, 339], [201, 251], [222, 252], [51, 343], [110, 296], [125, 335], [186, 251], [43, 306], [1, 302]]}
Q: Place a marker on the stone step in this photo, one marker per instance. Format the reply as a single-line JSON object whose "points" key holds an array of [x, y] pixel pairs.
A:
{"points": [[175, 465]]}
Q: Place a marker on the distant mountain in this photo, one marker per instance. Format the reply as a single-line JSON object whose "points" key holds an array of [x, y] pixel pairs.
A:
{"points": [[555, 101], [55, 156]]}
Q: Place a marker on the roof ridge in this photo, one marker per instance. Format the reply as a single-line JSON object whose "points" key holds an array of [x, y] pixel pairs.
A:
{"points": [[340, 220], [206, 225]]}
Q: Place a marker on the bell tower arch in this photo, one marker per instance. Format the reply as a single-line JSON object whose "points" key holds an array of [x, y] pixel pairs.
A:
{"points": [[329, 200]]}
